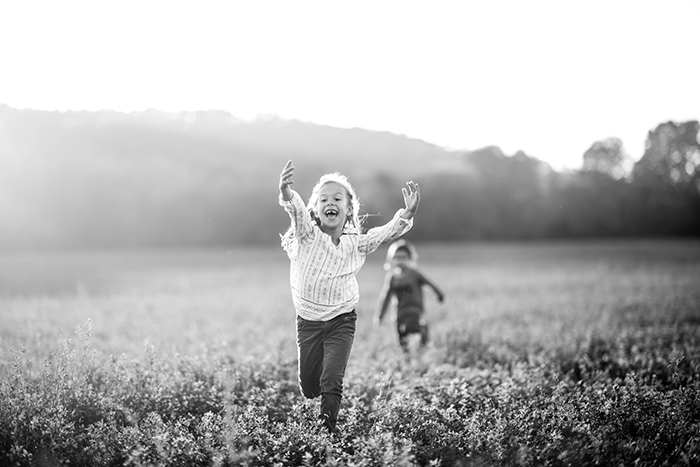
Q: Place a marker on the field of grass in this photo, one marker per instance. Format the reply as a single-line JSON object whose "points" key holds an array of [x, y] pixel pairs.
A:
{"points": [[569, 353]]}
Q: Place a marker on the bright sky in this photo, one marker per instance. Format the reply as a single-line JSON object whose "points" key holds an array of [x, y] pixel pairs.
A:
{"points": [[547, 77]]}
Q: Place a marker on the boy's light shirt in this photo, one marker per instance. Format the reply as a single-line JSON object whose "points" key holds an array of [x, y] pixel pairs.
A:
{"points": [[322, 274]]}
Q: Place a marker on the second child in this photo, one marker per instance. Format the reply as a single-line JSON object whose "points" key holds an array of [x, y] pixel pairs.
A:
{"points": [[405, 282]]}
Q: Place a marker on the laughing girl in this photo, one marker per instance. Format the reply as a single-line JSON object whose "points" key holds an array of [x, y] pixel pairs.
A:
{"points": [[327, 247]]}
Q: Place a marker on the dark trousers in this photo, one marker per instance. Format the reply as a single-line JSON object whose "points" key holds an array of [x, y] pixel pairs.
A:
{"points": [[324, 349], [411, 322]]}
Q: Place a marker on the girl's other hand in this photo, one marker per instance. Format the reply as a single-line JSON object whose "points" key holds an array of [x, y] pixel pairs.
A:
{"points": [[286, 180], [411, 196]]}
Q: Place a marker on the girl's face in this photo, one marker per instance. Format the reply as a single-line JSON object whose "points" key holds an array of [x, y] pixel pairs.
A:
{"points": [[332, 206]]}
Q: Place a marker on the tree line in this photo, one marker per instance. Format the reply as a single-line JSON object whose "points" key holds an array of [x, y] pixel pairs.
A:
{"points": [[106, 179], [519, 197]]}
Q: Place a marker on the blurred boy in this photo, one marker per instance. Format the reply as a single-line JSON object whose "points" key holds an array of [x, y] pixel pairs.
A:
{"points": [[405, 282]]}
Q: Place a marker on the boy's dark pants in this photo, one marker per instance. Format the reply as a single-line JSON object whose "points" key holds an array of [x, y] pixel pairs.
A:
{"points": [[324, 348], [410, 322]]}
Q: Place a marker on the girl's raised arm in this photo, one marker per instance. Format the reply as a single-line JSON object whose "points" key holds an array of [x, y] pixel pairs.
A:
{"points": [[302, 226], [286, 180], [411, 196]]}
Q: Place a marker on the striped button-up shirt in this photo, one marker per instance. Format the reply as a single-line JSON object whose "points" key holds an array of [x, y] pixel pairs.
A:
{"points": [[322, 274]]}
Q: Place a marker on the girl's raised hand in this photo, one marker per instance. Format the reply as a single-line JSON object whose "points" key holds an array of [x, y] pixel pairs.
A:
{"points": [[411, 196], [286, 180]]}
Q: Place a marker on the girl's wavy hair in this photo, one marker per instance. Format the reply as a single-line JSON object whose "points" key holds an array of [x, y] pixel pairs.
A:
{"points": [[353, 223], [401, 245]]}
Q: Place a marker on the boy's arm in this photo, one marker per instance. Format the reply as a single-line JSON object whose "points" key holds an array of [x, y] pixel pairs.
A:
{"points": [[384, 300], [438, 293]]}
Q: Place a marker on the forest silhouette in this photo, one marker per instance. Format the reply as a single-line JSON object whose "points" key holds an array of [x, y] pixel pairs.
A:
{"points": [[152, 179]]}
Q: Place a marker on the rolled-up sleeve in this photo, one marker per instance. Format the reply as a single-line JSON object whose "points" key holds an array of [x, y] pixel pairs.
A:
{"points": [[301, 223], [388, 232]]}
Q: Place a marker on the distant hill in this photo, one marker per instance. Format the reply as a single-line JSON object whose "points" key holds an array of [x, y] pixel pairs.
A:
{"points": [[211, 135], [153, 178], [145, 179]]}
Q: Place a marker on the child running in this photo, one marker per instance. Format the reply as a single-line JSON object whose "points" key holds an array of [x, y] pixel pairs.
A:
{"points": [[327, 248], [405, 282]]}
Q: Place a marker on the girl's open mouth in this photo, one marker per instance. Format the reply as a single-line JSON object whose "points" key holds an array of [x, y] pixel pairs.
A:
{"points": [[331, 213]]}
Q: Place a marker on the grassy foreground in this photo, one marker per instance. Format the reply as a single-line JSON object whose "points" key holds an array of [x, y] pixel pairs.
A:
{"points": [[562, 354]]}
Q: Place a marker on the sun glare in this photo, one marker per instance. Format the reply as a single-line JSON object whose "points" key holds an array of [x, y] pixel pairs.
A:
{"points": [[535, 78]]}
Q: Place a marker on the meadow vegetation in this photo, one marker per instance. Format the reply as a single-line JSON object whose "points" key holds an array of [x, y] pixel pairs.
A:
{"points": [[570, 353]]}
